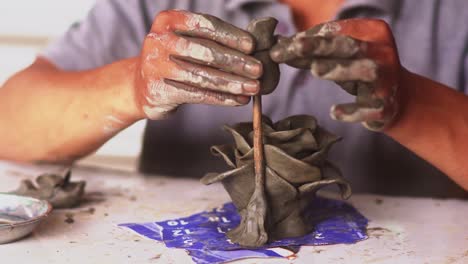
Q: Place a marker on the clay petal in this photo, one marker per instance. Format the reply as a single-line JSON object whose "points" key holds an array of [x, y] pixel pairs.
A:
{"points": [[296, 121], [242, 160], [299, 145], [280, 193], [240, 186], [326, 141], [266, 120], [293, 225], [213, 177], [331, 178], [239, 137], [289, 168], [267, 129], [227, 152], [285, 135], [325, 138], [335, 173]]}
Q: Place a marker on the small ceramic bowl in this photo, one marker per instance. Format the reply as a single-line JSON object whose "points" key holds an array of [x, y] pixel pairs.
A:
{"points": [[19, 215]]}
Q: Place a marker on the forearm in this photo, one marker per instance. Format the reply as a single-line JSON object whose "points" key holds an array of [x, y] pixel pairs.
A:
{"points": [[51, 115], [433, 124]]}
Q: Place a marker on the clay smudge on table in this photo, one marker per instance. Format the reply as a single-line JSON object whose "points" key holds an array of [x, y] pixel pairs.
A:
{"points": [[59, 190], [69, 218], [378, 232]]}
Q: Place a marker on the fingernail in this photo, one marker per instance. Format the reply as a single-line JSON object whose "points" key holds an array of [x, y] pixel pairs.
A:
{"points": [[242, 99], [251, 87], [247, 45], [275, 54], [254, 68]]}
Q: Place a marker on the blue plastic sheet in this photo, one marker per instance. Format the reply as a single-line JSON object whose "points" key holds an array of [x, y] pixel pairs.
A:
{"points": [[203, 235]]}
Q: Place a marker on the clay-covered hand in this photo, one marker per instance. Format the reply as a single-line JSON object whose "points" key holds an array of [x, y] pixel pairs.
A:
{"points": [[360, 56], [190, 58]]}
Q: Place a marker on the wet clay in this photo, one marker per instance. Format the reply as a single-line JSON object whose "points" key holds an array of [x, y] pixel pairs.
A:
{"points": [[57, 189], [294, 153], [296, 168]]}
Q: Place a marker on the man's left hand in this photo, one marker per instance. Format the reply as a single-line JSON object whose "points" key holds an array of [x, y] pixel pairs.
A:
{"points": [[360, 55]]}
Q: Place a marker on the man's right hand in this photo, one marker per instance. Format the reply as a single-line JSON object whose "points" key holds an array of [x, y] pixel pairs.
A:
{"points": [[190, 58]]}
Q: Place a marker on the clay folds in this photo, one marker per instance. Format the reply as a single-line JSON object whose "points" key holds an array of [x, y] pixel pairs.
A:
{"points": [[296, 168]]}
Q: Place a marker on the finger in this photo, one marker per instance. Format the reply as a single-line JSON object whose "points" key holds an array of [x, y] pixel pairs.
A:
{"points": [[283, 51], [321, 40], [209, 78], [210, 53], [345, 70], [357, 112], [204, 26], [374, 125], [194, 95], [335, 47]]}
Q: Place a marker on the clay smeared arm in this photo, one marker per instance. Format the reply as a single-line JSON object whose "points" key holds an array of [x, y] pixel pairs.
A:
{"points": [[47, 114]]}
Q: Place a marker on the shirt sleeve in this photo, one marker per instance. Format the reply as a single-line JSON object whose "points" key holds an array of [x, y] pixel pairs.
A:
{"points": [[113, 30]]}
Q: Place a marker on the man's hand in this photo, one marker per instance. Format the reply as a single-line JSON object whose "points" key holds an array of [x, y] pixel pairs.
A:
{"points": [[359, 55], [195, 59]]}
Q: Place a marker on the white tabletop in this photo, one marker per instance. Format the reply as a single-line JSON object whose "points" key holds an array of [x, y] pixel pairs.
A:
{"points": [[402, 230]]}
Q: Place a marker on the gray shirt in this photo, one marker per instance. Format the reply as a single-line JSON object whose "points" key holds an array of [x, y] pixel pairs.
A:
{"points": [[431, 36]]}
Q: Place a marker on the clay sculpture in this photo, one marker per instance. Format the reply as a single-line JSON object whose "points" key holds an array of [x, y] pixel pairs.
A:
{"points": [[272, 191], [296, 168]]}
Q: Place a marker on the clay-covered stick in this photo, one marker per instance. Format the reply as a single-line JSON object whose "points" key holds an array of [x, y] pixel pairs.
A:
{"points": [[252, 232], [259, 159]]}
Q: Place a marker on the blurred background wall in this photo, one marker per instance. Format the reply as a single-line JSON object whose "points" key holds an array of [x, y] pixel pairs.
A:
{"points": [[26, 27]]}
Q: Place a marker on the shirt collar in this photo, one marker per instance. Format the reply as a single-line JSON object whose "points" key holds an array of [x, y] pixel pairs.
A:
{"points": [[386, 6]]}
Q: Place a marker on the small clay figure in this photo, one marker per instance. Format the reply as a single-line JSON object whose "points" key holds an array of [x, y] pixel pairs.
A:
{"points": [[57, 189], [296, 168]]}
